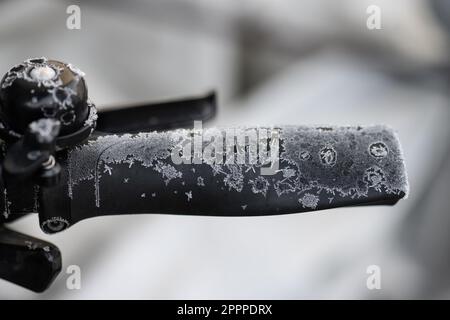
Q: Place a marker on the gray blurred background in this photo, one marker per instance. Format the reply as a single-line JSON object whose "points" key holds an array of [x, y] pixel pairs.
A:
{"points": [[272, 62]]}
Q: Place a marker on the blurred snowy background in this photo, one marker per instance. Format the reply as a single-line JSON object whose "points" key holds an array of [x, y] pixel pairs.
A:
{"points": [[272, 62]]}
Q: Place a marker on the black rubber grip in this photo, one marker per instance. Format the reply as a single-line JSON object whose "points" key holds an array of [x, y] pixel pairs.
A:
{"points": [[318, 168]]}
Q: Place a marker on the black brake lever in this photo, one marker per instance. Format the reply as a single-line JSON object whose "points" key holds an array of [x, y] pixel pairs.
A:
{"points": [[157, 116], [27, 261]]}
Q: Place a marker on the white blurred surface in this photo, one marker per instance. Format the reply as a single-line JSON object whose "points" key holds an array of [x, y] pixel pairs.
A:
{"points": [[306, 66]]}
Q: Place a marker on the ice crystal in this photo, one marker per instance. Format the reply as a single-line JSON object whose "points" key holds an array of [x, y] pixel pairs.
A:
{"points": [[200, 182], [378, 150], [309, 201], [260, 185]]}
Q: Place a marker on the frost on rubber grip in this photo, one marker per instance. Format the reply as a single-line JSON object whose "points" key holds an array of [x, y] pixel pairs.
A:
{"points": [[316, 165]]}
